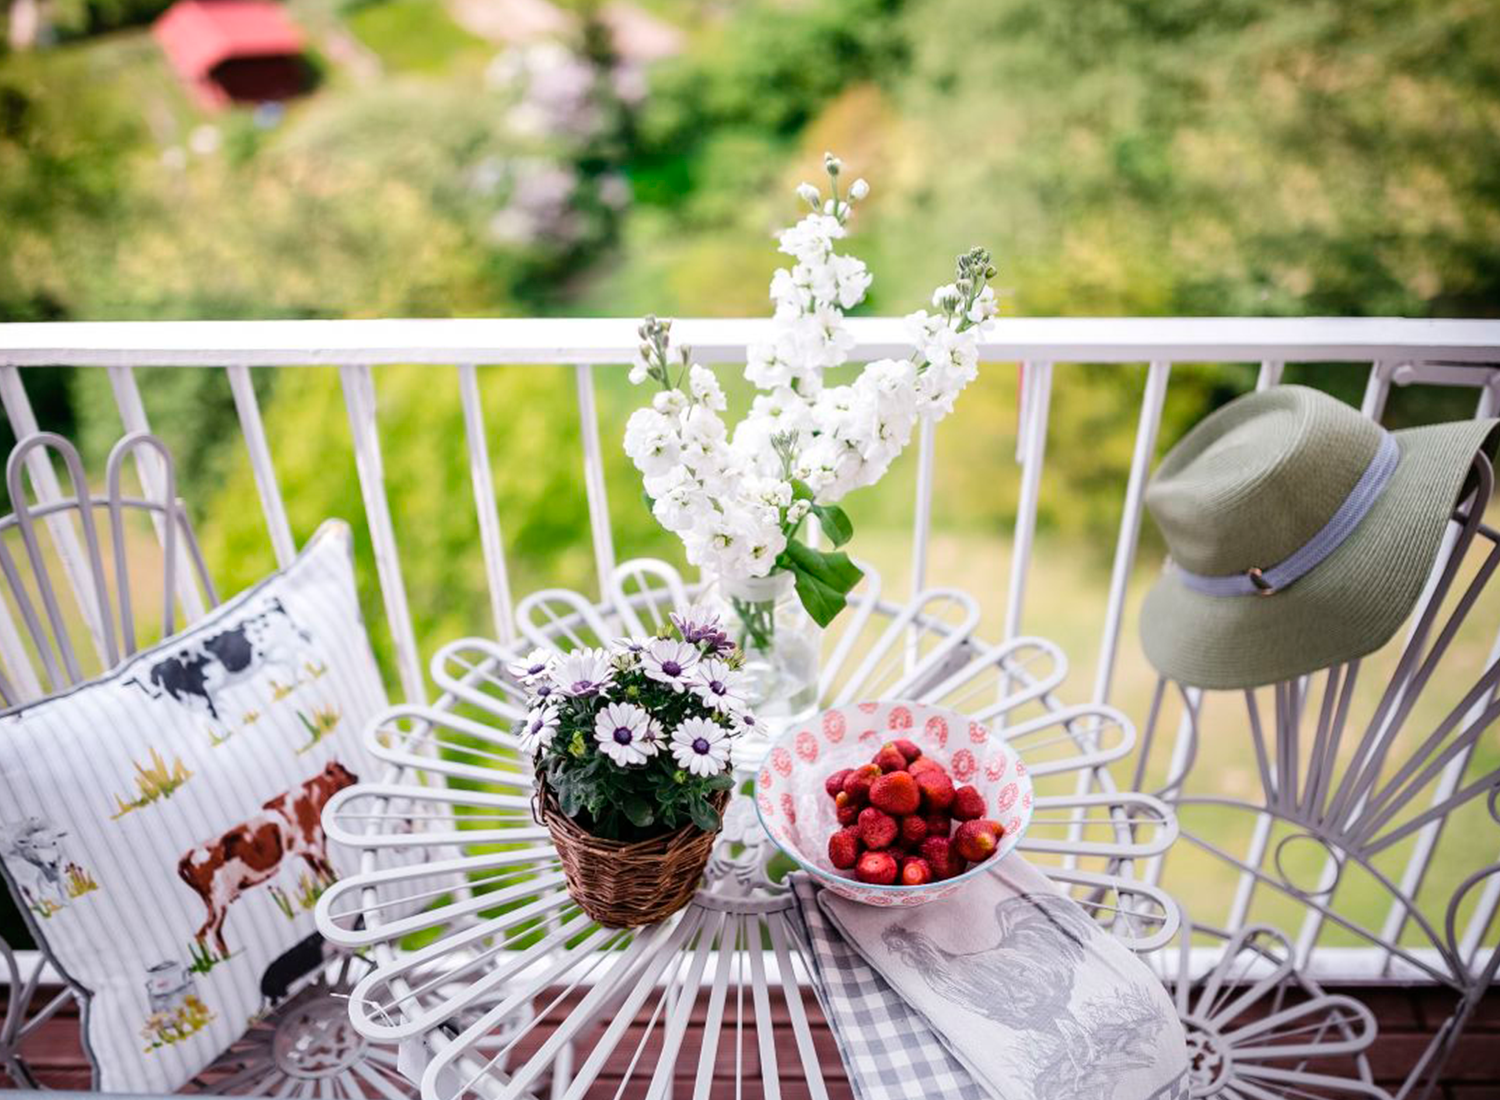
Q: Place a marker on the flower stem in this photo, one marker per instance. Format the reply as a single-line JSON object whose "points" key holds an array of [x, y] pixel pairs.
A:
{"points": [[758, 617]]}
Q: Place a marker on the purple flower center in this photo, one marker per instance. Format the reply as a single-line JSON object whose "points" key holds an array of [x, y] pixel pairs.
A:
{"points": [[717, 687], [583, 687], [623, 735], [543, 690], [671, 668], [536, 670], [700, 746]]}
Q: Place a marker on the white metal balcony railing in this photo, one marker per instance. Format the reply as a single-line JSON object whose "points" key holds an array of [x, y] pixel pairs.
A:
{"points": [[1388, 352]]}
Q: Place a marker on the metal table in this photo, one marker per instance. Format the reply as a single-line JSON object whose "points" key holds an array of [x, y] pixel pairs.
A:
{"points": [[461, 908]]}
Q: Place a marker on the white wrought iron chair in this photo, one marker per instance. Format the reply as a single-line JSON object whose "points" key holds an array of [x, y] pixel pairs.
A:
{"points": [[73, 637], [1386, 794]]}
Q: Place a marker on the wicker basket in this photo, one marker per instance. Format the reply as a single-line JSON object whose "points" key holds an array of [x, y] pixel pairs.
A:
{"points": [[626, 885]]}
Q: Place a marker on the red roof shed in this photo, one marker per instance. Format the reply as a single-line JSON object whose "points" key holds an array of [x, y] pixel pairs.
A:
{"points": [[233, 49]]}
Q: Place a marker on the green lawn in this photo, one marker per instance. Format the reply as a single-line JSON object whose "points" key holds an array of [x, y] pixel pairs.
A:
{"points": [[414, 35]]}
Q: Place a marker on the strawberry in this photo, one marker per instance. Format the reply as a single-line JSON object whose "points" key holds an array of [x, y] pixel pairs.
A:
{"points": [[938, 823], [936, 788], [941, 858], [909, 749], [915, 871], [924, 764], [835, 782], [968, 803], [976, 840], [878, 868], [896, 793], [843, 848], [876, 829], [857, 782], [845, 808], [911, 830], [890, 759]]}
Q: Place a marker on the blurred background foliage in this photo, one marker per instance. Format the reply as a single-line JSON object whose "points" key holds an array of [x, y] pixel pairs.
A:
{"points": [[1120, 157]]}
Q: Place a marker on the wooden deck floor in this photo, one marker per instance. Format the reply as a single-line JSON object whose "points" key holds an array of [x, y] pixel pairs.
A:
{"points": [[1407, 1019]]}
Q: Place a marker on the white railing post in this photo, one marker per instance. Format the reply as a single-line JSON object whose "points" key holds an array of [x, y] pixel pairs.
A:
{"points": [[593, 477], [254, 432], [359, 397], [1035, 413], [501, 607]]}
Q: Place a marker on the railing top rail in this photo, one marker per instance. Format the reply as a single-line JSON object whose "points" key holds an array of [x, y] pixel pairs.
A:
{"points": [[613, 339]]}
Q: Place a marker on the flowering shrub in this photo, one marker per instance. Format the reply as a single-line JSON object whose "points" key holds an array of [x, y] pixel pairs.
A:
{"points": [[738, 501], [635, 739]]}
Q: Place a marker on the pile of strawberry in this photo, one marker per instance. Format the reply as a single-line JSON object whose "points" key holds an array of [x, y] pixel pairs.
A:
{"points": [[897, 813]]}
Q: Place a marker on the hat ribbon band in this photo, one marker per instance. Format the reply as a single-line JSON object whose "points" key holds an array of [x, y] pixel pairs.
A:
{"points": [[1307, 557]]}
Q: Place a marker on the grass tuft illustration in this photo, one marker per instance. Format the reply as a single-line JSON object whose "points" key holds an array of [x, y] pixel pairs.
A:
{"points": [[324, 721], [154, 782]]}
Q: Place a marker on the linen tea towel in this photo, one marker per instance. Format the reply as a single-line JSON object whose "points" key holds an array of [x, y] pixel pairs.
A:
{"points": [[1026, 991], [887, 1049]]}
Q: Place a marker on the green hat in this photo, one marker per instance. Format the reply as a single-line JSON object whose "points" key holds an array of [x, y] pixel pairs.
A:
{"points": [[1300, 535]]}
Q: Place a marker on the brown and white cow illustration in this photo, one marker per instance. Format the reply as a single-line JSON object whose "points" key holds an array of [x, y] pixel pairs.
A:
{"points": [[251, 852]]}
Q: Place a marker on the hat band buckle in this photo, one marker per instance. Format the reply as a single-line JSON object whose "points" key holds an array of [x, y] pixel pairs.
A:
{"points": [[1268, 580]]}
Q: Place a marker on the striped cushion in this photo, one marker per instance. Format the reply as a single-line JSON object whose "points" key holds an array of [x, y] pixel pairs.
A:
{"points": [[160, 825]]}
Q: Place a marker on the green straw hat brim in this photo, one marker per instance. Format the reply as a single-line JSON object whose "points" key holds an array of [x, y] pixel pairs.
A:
{"points": [[1349, 605]]}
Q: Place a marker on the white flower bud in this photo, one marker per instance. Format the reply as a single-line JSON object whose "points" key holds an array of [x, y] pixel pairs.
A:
{"points": [[809, 194], [859, 189]]}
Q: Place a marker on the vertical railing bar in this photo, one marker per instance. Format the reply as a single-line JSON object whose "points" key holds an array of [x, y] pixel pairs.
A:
{"points": [[1031, 477], [13, 651], [253, 430], [593, 477], [501, 607], [1270, 374], [923, 517], [1152, 400], [359, 397], [921, 527], [44, 481], [152, 472]]}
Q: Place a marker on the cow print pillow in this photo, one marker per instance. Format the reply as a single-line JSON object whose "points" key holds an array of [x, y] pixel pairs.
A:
{"points": [[161, 826]]}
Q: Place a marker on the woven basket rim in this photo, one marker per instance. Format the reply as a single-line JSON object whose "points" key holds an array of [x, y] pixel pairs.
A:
{"points": [[548, 812]]}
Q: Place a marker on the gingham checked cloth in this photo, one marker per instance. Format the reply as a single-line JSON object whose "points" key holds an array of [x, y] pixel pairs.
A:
{"points": [[924, 1003]]}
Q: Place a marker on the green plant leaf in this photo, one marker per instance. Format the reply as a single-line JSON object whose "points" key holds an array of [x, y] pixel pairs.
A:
{"points": [[823, 579], [704, 815], [835, 523], [721, 782], [638, 810]]}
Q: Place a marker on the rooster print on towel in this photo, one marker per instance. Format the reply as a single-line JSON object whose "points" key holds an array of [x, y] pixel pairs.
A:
{"points": [[1026, 983]]}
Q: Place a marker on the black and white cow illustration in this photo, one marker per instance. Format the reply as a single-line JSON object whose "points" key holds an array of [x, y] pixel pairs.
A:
{"points": [[196, 674], [38, 844]]}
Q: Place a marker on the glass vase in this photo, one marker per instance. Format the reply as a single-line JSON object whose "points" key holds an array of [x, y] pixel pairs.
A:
{"points": [[781, 642]]}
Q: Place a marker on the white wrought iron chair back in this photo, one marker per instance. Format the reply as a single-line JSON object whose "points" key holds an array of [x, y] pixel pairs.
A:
{"points": [[1351, 795], [71, 638]]}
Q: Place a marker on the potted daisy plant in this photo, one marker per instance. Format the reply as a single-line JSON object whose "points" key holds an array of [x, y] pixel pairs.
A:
{"points": [[632, 745]]}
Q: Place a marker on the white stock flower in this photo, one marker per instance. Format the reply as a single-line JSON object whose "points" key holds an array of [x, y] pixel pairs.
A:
{"points": [[705, 388], [701, 746], [651, 441], [670, 402], [859, 189], [809, 194], [626, 733]]}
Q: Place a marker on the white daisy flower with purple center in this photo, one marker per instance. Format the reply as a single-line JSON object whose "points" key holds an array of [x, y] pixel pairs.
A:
{"points": [[539, 729], [745, 722], [701, 746], [583, 672], [718, 685], [671, 663], [533, 667], [626, 733]]}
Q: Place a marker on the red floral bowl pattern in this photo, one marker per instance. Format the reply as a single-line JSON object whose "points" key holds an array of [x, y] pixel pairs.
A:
{"points": [[796, 811]]}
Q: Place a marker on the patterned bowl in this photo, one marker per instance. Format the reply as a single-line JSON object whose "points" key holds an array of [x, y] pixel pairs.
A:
{"points": [[796, 811]]}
